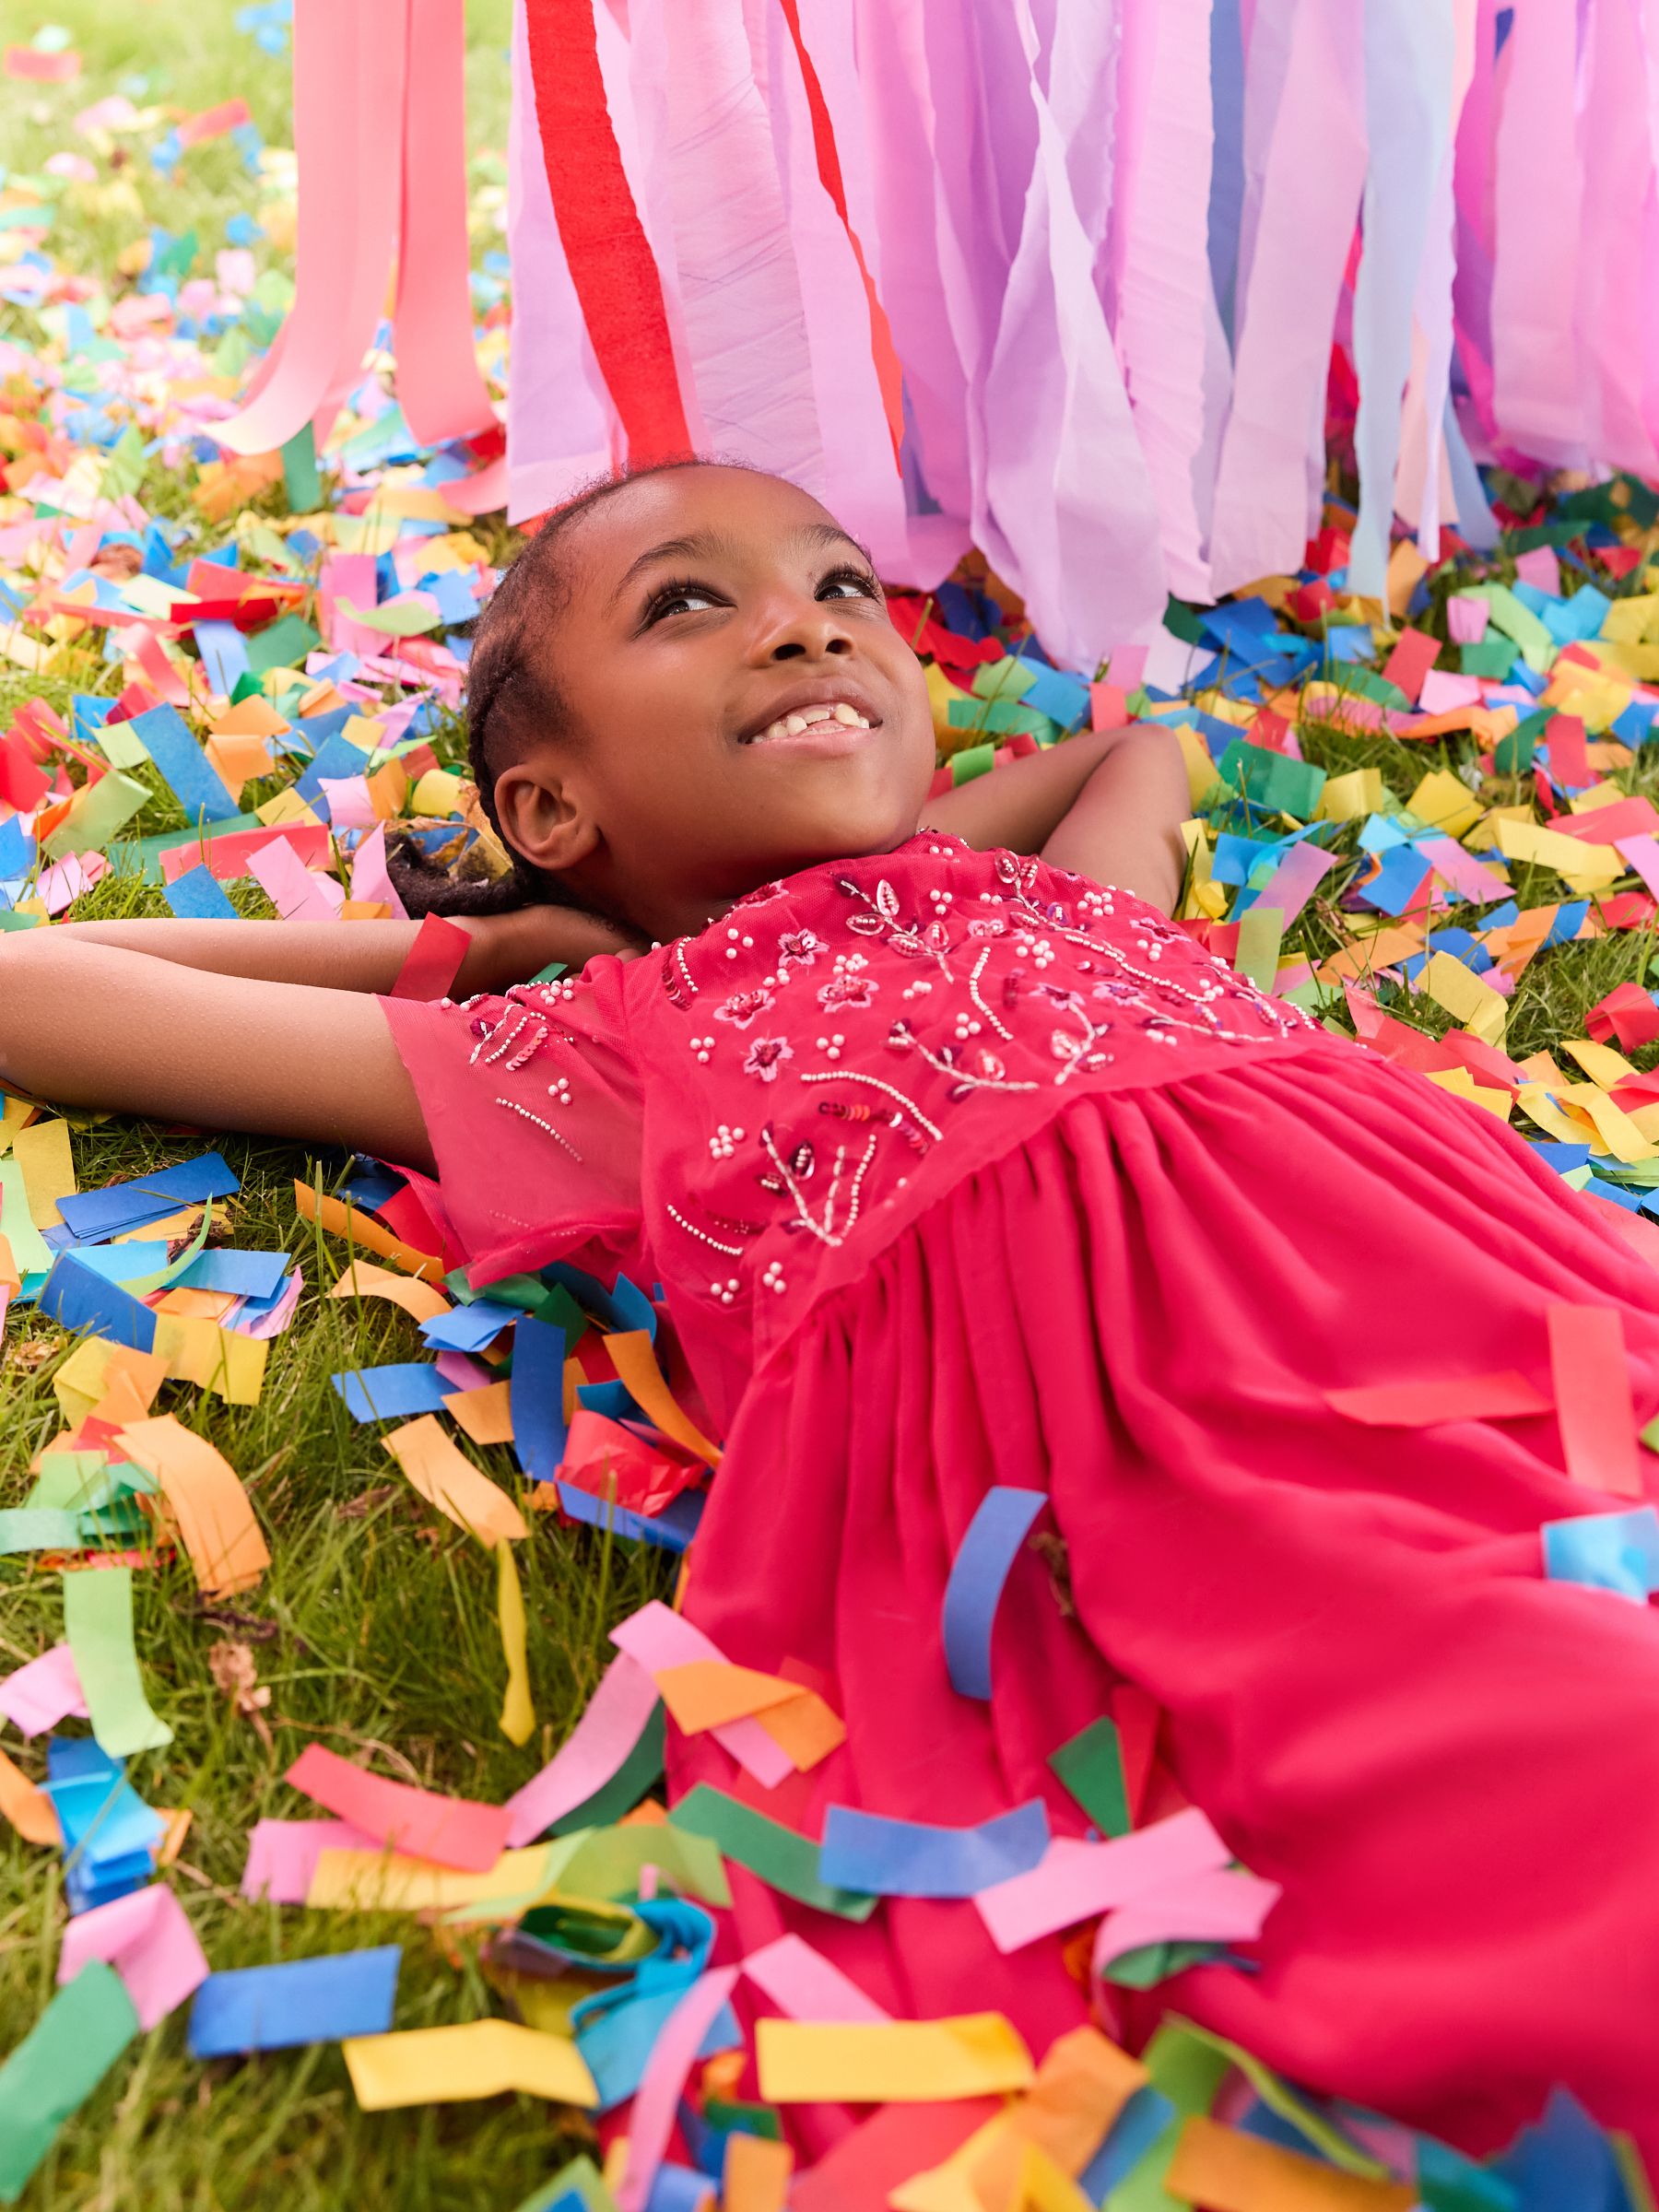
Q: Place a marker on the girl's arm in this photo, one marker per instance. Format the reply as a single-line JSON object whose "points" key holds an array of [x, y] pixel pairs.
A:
{"points": [[1107, 802], [357, 956], [96, 1025]]}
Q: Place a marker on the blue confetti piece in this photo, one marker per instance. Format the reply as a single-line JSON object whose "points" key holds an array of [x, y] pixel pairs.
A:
{"points": [[537, 1398], [1134, 2132], [913, 1858], [671, 1530], [303, 2001], [186, 769], [1606, 1551], [197, 896], [236, 1274], [81, 1300], [975, 1587], [395, 1393], [469, 1328], [223, 654], [93, 1215]]}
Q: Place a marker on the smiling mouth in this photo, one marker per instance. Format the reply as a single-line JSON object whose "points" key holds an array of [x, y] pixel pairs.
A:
{"points": [[807, 718]]}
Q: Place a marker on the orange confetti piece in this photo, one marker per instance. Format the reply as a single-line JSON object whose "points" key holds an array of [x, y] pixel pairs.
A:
{"points": [[206, 1498], [29, 1810], [447, 1478], [485, 1415], [635, 1362], [708, 1693], [417, 1298], [342, 1220], [1219, 2167]]}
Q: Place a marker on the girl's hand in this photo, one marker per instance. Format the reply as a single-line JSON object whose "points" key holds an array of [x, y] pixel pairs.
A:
{"points": [[510, 947]]}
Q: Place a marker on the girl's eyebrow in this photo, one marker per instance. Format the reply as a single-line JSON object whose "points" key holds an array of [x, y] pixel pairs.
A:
{"points": [[708, 544]]}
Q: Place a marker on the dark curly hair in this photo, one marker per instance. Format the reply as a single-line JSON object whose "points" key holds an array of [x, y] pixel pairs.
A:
{"points": [[513, 702]]}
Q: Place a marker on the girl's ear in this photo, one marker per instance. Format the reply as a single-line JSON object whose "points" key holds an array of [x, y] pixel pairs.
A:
{"points": [[543, 817]]}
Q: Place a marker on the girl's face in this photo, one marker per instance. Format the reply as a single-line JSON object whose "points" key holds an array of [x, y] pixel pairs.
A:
{"points": [[740, 706]]}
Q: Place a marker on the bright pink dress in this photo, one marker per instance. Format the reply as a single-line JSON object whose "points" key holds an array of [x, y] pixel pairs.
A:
{"points": [[958, 1171]]}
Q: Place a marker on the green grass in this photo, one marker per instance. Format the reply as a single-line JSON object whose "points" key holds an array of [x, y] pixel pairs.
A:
{"points": [[375, 1628]]}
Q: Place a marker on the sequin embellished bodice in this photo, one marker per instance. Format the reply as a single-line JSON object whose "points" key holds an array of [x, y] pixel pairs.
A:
{"points": [[795, 1082]]}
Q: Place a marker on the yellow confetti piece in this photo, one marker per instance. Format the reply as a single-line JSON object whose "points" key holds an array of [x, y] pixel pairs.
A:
{"points": [[892, 2062], [1202, 775], [43, 1152], [1446, 801], [1600, 1062], [518, 1712], [455, 2066], [443, 1475], [1227, 2171], [387, 1881], [1584, 867], [1462, 1085], [1612, 1125], [233, 1367], [1346, 797], [1466, 996]]}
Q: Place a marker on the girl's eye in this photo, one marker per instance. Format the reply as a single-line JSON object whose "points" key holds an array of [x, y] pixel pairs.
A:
{"points": [[680, 599], [849, 584]]}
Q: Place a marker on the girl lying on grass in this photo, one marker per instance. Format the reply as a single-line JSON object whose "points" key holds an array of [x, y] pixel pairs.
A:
{"points": [[963, 1167]]}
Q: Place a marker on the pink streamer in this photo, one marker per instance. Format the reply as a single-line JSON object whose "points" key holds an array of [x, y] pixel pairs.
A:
{"points": [[672, 2058], [1535, 344], [597, 1747], [804, 1985]]}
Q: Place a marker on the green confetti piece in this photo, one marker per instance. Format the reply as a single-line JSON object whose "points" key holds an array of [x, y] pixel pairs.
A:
{"points": [[55, 2068], [642, 1768], [580, 2182], [124, 469], [974, 761], [104, 807], [1492, 658], [1190, 2075], [785, 1861], [1149, 1963], [1270, 781], [29, 1248], [1090, 1765], [282, 644], [1261, 930], [1009, 679], [97, 1623], [608, 1861], [1447, 2182], [1537, 648], [299, 472], [37, 1528]]}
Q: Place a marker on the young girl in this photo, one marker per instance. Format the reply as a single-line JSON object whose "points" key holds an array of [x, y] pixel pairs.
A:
{"points": [[961, 1170]]}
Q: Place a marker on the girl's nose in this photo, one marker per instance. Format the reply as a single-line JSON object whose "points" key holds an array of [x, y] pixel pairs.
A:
{"points": [[803, 629]]}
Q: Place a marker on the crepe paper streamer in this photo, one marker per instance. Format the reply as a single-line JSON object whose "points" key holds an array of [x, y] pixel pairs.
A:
{"points": [[1606, 1551], [1225, 1906], [537, 1398], [1090, 1764], [913, 1858], [609, 1729], [901, 2062], [282, 1856], [349, 1879], [81, 1300], [149, 1940], [635, 1362], [56, 2068], [388, 1393], [1500, 1396], [658, 1639], [454, 1831], [302, 2001], [98, 1621], [983, 1558], [610, 263], [433, 961], [1590, 1375], [804, 1985], [96, 1215], [41, 1693], [27, 1806], [454, 2066], [1074, 1880], [785, 1861], [518, 1712], [205, 1495], [447, 1478], [1231, 2171], [419, 1298], [672, 2058]]}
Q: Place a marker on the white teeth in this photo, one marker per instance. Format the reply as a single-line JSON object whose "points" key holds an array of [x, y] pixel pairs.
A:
{"points": [[791, 725]]}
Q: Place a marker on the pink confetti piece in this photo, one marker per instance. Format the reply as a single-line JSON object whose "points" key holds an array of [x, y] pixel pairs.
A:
{"points": [[46, 1691], [147, 1938]]}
